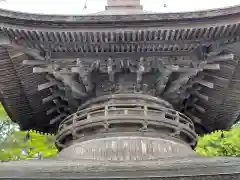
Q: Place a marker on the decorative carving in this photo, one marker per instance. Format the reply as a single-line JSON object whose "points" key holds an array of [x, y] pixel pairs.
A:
{"points": [[127, 116]]}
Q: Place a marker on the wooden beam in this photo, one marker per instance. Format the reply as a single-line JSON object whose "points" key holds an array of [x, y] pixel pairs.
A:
{"points": [[41, 70], [106, 55], [205, 83], [110, 70], [214, 44], [34, 62], [56, 109], [210, 66], [224, 57], [57, 118], [50, 98], [201, 96], [34, 53], [162, 80], [140, 71], [68, 44], [199, 108], [46, 85], [193, 117]]}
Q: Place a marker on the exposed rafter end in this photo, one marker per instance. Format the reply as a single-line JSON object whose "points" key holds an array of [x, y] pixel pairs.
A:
{"points": [[31, 52], [184, 69], [214, 53], [221, 57], [205, 83], [162, 80], [194, 118], [46, 85], [55, 109], [40, 70], [34, 62], [199, 108], [58, 118], [34, 53], [201, 96], [210, 66], [50, 98], [17, 54]]}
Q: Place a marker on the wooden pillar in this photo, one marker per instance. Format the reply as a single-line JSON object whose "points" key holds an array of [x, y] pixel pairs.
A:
{"points": [[116, 4], [123, 2]]}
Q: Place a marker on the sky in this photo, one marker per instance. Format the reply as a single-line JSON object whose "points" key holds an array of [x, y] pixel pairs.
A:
{"points": [[75, 7]]}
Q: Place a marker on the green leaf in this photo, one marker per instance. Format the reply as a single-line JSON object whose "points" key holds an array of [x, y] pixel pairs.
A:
{"points": [[220, 143]]}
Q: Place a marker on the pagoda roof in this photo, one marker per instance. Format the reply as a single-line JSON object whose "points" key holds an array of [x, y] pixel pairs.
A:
{"points": [[139, 16], [185, 36]]}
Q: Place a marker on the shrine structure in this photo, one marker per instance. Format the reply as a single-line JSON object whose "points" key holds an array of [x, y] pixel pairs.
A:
{"points": [[125, 91]]}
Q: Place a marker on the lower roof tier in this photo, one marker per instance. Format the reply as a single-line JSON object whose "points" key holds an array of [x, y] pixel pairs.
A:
{"points": [[38, 94], [191, 60]]}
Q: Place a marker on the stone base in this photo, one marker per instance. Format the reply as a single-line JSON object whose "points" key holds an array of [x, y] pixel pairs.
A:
{"points": [[126, 148], [125, 158], [188, 168]]}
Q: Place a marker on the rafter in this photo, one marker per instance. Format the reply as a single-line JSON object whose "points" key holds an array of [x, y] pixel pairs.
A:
{"points": [[106, 55], [58, 118], [46, 85]]}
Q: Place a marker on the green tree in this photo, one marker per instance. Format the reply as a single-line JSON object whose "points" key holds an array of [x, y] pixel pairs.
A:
{"points": [[7, 127], [16, 144], [220, 143], [26, 145]]}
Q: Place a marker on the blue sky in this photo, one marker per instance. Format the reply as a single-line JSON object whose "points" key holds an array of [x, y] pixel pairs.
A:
{"points": [[76, 6]]}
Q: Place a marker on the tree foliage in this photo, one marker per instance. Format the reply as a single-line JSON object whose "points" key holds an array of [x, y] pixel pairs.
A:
{"points": [[23, 145], [7, 127], [220, 143]]}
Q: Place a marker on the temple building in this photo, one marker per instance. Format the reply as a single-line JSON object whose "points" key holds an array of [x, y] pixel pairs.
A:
{"points": [[125, 87]]}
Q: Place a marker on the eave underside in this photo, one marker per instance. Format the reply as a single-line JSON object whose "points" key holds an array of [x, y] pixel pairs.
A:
{"points": [[217, 107]]}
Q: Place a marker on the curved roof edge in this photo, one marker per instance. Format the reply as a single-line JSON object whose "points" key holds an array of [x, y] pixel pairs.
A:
{"points": [[133, 17]]}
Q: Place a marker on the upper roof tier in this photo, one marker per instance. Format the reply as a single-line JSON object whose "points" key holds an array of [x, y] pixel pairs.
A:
{"points": [[78, 7], [142, 16], [172, 29]]}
